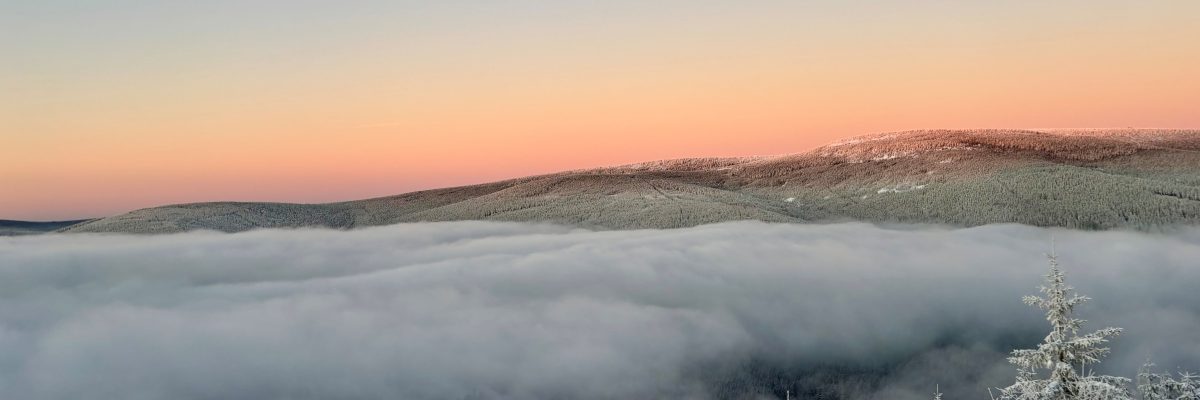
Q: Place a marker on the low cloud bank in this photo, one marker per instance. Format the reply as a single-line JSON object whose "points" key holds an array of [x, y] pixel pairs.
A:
{"points": [[476, 310]]}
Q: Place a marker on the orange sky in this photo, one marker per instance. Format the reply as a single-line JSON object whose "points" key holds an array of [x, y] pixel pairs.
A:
{"points": [[109, 108]]}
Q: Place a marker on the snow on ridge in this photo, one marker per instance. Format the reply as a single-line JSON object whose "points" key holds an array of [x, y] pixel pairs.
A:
{"points": [[901, 188], [863, 139], [698, 163]]}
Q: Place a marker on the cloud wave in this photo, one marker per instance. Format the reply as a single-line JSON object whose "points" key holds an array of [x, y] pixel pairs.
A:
{"points": [[470, 310]]}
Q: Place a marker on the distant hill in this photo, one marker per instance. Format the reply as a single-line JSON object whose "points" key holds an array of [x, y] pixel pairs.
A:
{"points": [[1088, 179], [15, 228]]}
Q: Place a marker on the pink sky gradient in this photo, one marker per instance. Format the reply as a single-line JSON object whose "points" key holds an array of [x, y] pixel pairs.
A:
{"points": [[112, 109]]}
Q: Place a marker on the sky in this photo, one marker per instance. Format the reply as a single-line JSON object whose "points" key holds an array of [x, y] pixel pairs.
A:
{"points": [[110, 106]]}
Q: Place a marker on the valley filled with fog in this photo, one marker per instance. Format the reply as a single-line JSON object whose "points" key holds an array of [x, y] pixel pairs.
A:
{"points": [[469, 310]]}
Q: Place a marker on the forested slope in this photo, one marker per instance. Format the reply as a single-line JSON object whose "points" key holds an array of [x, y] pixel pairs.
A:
{"points": [[16, 228], [1090, 179]]}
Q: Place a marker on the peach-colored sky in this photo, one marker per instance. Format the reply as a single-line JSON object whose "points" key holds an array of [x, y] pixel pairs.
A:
{"points": [[110, 107]]}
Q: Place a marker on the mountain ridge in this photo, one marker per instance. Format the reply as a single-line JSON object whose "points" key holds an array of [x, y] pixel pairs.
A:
{"points": [[1076, 178], [10, 227]]}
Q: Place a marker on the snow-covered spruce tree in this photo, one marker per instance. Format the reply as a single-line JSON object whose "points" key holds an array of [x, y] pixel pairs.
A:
{"points": [[1057, 368], [1154, 386]]}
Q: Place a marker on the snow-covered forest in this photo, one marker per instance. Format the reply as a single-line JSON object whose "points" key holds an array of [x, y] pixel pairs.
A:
{"points": [[1092, 179], [1062, 366]]}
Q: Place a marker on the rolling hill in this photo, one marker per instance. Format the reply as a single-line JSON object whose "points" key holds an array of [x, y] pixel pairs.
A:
{"points": [[16, 228], [1088, 179]]}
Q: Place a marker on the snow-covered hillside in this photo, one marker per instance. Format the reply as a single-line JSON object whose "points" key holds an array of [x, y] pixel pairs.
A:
{"points": [[1092, 179]]}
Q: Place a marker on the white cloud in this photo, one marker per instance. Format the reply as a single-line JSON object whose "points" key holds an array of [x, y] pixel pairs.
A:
{"points": [[495, 310]]}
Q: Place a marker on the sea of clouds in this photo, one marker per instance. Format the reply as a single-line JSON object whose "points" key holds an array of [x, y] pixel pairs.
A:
{"points": [[481, 310]]}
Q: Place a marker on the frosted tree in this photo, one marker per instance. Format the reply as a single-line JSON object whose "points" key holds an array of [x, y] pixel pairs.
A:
{"points": [[1154, 386], [1057, 368]]}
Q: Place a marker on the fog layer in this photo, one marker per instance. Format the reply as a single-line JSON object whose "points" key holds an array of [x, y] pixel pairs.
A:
{"points": [[495, 310]]}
